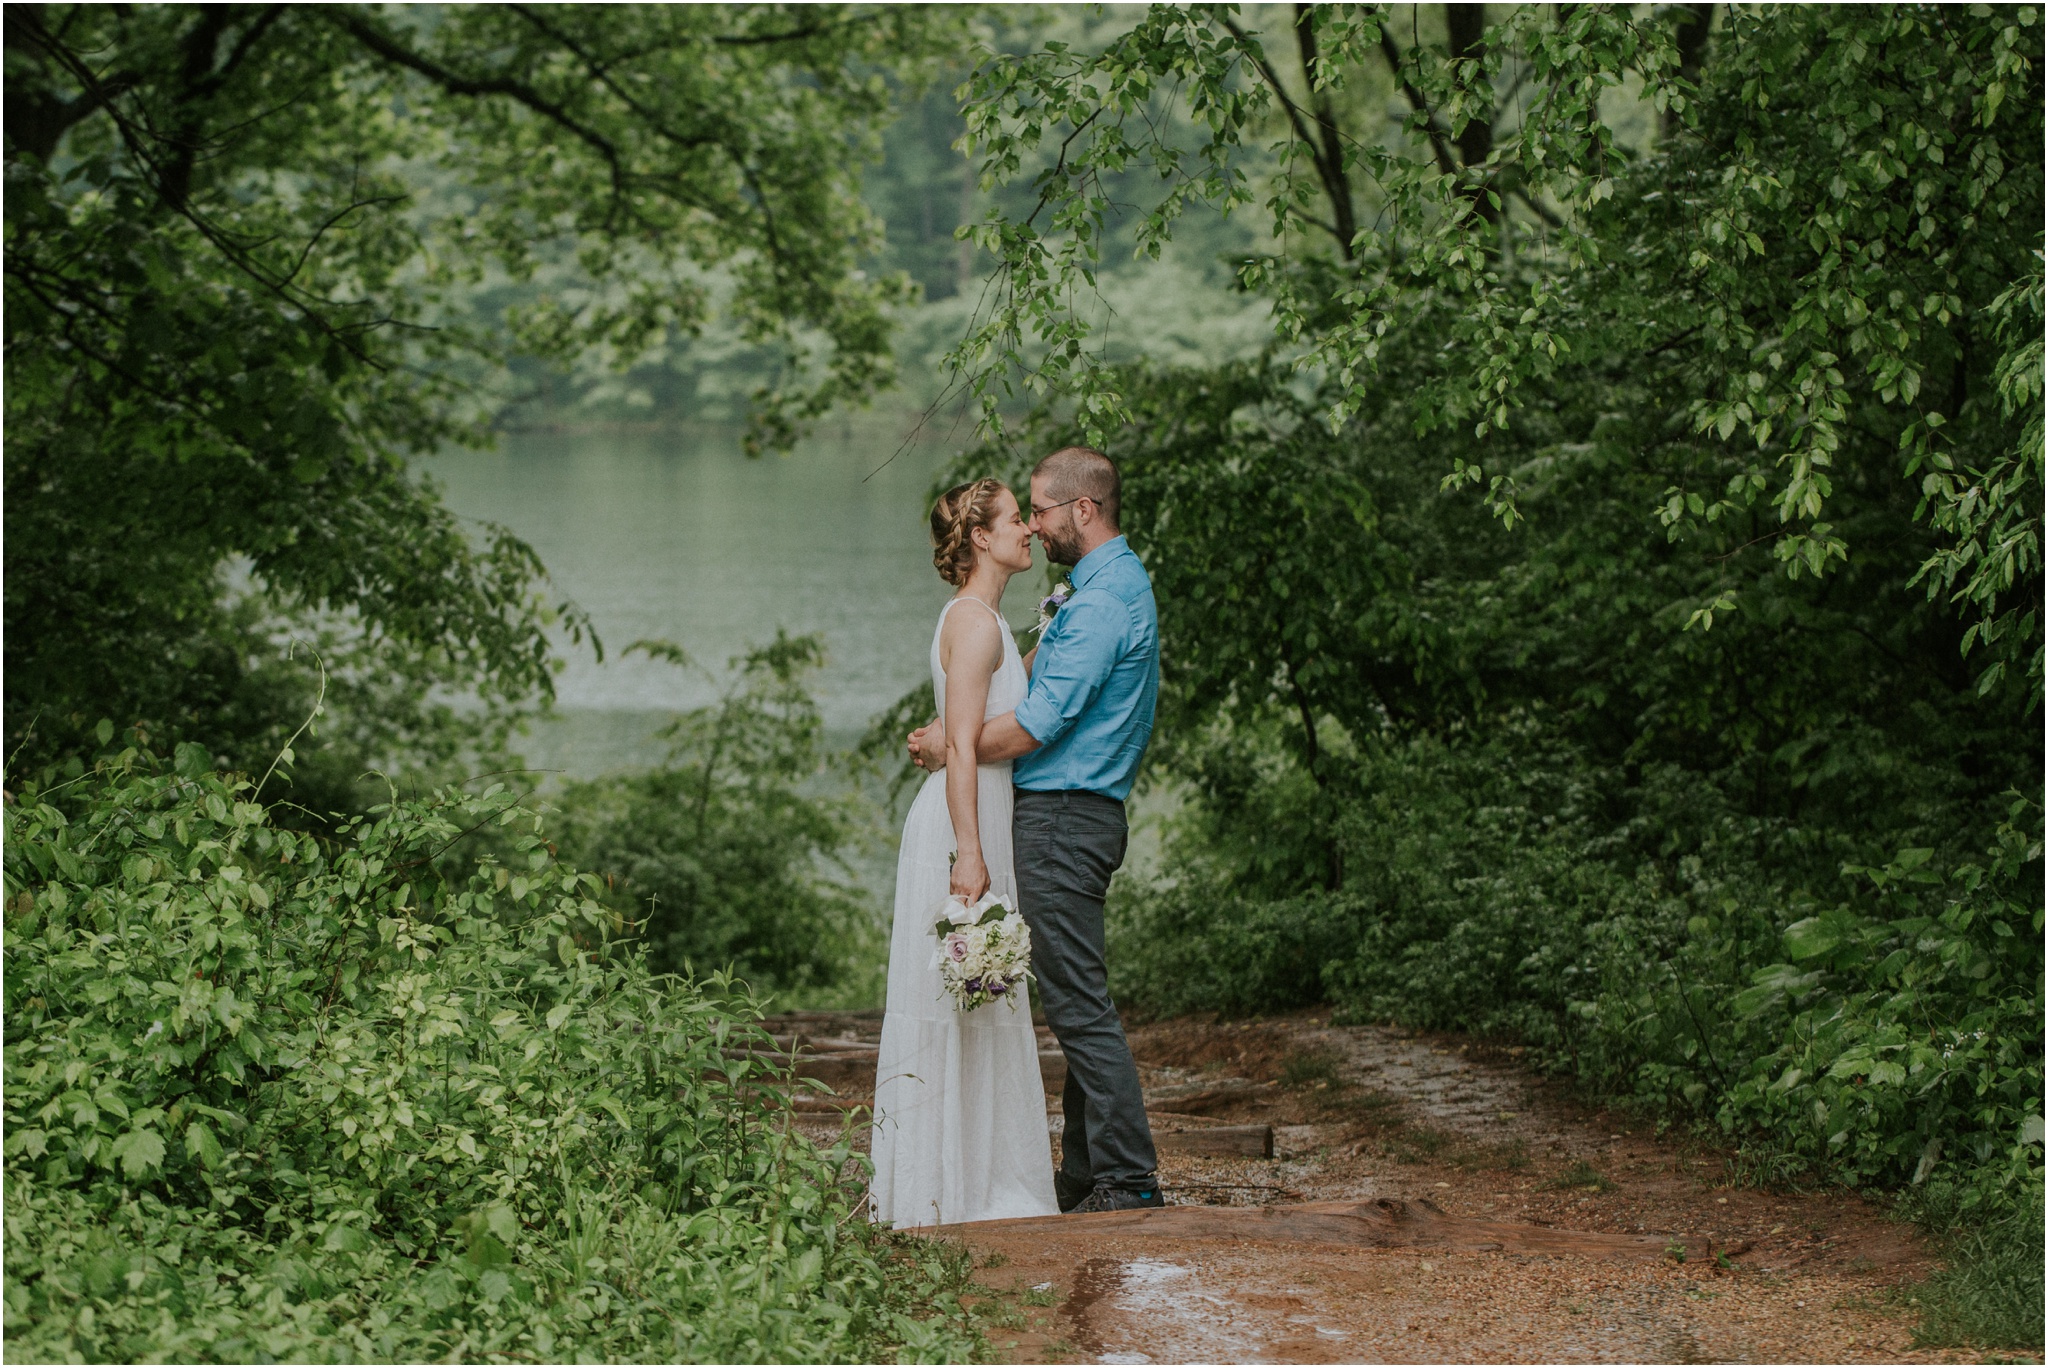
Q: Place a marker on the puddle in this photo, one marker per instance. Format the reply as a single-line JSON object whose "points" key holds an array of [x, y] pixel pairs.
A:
{"points": [[1180, 1315], [1096, 1279]]}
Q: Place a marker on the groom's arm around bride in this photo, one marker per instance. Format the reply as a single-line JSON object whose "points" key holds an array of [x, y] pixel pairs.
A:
{"points": [[1077, 739]]}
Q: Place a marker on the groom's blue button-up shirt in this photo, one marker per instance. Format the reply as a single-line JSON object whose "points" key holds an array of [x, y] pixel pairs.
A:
{"points": [[1095, 682]]}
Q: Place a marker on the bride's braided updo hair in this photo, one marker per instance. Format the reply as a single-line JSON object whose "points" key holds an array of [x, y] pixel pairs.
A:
{"points": [[959, 511]]}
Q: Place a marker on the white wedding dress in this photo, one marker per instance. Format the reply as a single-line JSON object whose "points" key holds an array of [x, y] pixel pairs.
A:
{"points": [[960, 1129]]}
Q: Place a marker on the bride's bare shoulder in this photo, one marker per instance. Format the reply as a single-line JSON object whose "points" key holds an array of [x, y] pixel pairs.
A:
{"points": [[972, 637]]}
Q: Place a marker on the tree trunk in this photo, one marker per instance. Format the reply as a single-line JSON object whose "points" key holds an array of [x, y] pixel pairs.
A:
{"points": [[1330, 155], [1694, 22], [1467, 26]]}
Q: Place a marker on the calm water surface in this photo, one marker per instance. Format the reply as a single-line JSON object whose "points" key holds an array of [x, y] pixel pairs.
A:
{"points": [[680, 536]]}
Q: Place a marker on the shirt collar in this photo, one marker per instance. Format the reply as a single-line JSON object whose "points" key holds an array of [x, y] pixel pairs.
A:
{"points": [[1091, 564]]}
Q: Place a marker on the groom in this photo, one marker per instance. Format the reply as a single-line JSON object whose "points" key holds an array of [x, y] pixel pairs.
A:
{"points": [[1077, 738]]}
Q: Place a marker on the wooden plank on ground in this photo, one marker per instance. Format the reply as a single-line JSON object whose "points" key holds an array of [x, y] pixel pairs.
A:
{"points": [[1239, 1142], [853, 1071], [842, 1071], [1200, 1098]]}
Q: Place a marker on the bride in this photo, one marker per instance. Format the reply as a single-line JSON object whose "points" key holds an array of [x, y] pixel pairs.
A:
{"points": [[960, 1130]]}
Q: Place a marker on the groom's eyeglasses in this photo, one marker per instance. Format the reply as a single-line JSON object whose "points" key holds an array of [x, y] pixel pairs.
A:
{"points": [[1038, 512]]}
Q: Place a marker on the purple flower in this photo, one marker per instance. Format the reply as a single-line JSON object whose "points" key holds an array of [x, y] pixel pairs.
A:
{"points": [[1051, 604]]}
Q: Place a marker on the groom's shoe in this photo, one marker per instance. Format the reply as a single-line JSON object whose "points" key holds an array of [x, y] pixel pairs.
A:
{"points": [[1070, 1192], [1109, 1198]]}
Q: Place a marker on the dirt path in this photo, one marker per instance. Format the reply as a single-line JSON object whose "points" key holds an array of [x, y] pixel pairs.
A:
{"points": [[1425, 1201]]}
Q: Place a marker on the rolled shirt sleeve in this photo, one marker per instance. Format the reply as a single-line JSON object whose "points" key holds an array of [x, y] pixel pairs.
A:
{"points": [[1073, 666]]}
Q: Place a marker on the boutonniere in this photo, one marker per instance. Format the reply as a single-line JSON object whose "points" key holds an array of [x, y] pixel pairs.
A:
{"points": [[1051, 604]]}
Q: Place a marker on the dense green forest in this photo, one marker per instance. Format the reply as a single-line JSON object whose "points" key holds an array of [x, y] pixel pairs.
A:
{"points": [[1590, 460]]}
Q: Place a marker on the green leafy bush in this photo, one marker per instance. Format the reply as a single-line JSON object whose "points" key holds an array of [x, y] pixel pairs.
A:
{"points": [[273, 1097], [1208, 951], [728, 854], [1893, 1032]]}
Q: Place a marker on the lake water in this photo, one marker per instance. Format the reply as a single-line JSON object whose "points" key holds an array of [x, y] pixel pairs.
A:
{"points": [[679, 536]]}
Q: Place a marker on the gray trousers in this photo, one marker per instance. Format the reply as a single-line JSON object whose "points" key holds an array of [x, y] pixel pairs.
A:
{"points": [[1068, 843]]}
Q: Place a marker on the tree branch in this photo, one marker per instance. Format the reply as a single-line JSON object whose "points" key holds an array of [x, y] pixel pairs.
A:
{"points": [[383, 45], [37, 120], [138, 144], [1392, 53], [194, 84], [1301, 129], [1331, 161], [601, 72], [1475, 141], [243, 46], [793, 36], [1694, 23], [1537, 208]]}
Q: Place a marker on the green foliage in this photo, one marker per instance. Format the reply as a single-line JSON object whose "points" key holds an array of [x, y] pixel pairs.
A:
{"points": [[251, 257], [1100, 112], [1990, 1295], [276, 1097], [720, 855], [1194, 949], [1840, 233], [1320, 590], [1901, 1033]]}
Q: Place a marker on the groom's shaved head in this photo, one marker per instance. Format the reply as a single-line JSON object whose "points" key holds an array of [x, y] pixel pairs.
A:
{"points": [[1079, 472]]}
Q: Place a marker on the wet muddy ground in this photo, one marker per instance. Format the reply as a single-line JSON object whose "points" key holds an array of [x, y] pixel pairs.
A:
{"points": [[1427, 1200]]}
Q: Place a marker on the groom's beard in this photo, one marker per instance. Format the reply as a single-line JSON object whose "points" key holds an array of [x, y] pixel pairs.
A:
{"points": [[1061, 548]]}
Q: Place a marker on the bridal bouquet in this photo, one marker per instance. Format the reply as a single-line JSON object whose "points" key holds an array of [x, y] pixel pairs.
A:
{"points": [[984, 952]]}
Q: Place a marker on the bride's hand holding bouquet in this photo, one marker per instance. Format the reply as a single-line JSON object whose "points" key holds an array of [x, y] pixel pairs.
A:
{"points": [[970, 876]]}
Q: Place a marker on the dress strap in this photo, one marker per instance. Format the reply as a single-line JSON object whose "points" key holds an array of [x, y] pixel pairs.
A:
{"points": [[969, 598]]}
